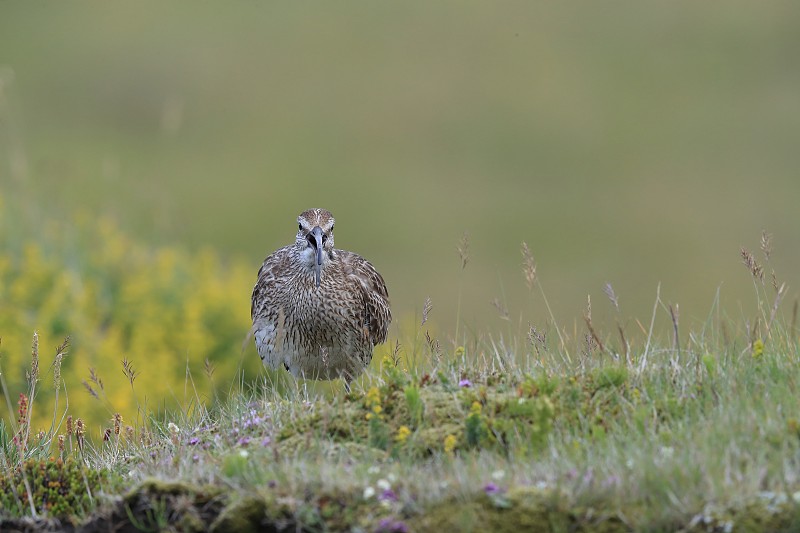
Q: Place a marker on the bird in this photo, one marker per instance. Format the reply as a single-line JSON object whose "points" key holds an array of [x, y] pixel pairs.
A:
{"points": [[318, 311]]}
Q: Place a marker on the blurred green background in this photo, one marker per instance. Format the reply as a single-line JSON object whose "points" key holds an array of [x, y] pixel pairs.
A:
{"points": [[630, 143]]}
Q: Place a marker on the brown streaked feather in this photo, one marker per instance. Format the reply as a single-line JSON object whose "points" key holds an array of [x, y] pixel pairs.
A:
{"points": [[318, 329], [374, 295]]}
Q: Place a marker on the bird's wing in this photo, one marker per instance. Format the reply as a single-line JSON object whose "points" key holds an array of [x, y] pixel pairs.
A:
{"points": [[268, 276], [373, 293]]}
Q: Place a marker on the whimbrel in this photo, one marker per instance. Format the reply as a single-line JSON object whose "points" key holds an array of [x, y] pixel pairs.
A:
{"points": [[318, 311]]}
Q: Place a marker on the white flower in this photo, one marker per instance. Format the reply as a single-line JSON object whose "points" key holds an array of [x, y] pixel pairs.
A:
{"points": [[497, 475], [243, 453], [369, 492], [383, 484], [391, 477], [173, 428], [374, 470]]}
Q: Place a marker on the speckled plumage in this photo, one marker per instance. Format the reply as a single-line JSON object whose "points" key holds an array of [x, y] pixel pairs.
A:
{"points": [[318, 320]]}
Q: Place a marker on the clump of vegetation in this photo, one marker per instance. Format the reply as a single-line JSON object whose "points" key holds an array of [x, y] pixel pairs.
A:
{"points": [[50, 487]]}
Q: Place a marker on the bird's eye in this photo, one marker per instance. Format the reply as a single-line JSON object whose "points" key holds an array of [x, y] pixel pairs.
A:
{"points": [[332, 228], [299, 226]]}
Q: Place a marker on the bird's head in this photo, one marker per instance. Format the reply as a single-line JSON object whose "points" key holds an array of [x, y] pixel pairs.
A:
{"points": [[315, 239]]}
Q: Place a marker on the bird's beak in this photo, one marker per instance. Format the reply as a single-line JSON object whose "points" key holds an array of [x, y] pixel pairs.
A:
{"points": [[315, 238]]}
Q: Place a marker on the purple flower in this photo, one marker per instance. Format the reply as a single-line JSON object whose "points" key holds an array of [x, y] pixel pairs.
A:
{"points": [[254, 421], [465, 383], [388, 495], [266, 442], [611, 481], [387, 525], [193, 441], [244, 441], [490, 489]]}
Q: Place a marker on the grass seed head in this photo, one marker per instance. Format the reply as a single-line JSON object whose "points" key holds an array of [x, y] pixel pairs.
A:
{"points": [[426, 309], [766, 244], [612, 296], [528, 266], [463, 250], [750, 262], [33, 376]]}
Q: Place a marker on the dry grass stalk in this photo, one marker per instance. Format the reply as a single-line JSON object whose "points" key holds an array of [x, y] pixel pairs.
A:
{"points": [[501, 309], [61, 351], [528, 266], [536, 339], [80, 432], [426, 309], [674, 313], [766, 244], [624, 342], [90, 390], [463, 250], [129, 371], [396, 353], [612, 296], [94, 378], [781, 292], [587, 317], [33, 375], [208, 367]]}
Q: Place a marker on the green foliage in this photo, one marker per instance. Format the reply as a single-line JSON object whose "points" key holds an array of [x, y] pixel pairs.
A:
{"points": [[378, 434], [611, 376], [235, 464], [414, 405], [475, 427], [709, 363]]}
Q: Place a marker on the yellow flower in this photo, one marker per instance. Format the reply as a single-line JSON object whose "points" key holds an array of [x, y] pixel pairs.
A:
{"points": [[475, 409], [373, 397], [758, 348], [450, 442], [402, 435]]}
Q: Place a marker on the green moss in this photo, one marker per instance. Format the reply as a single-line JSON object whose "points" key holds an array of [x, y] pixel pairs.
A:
{"points": [[156, 504], [63, 489], [245, 515], [478, 417], [522, 509]]}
